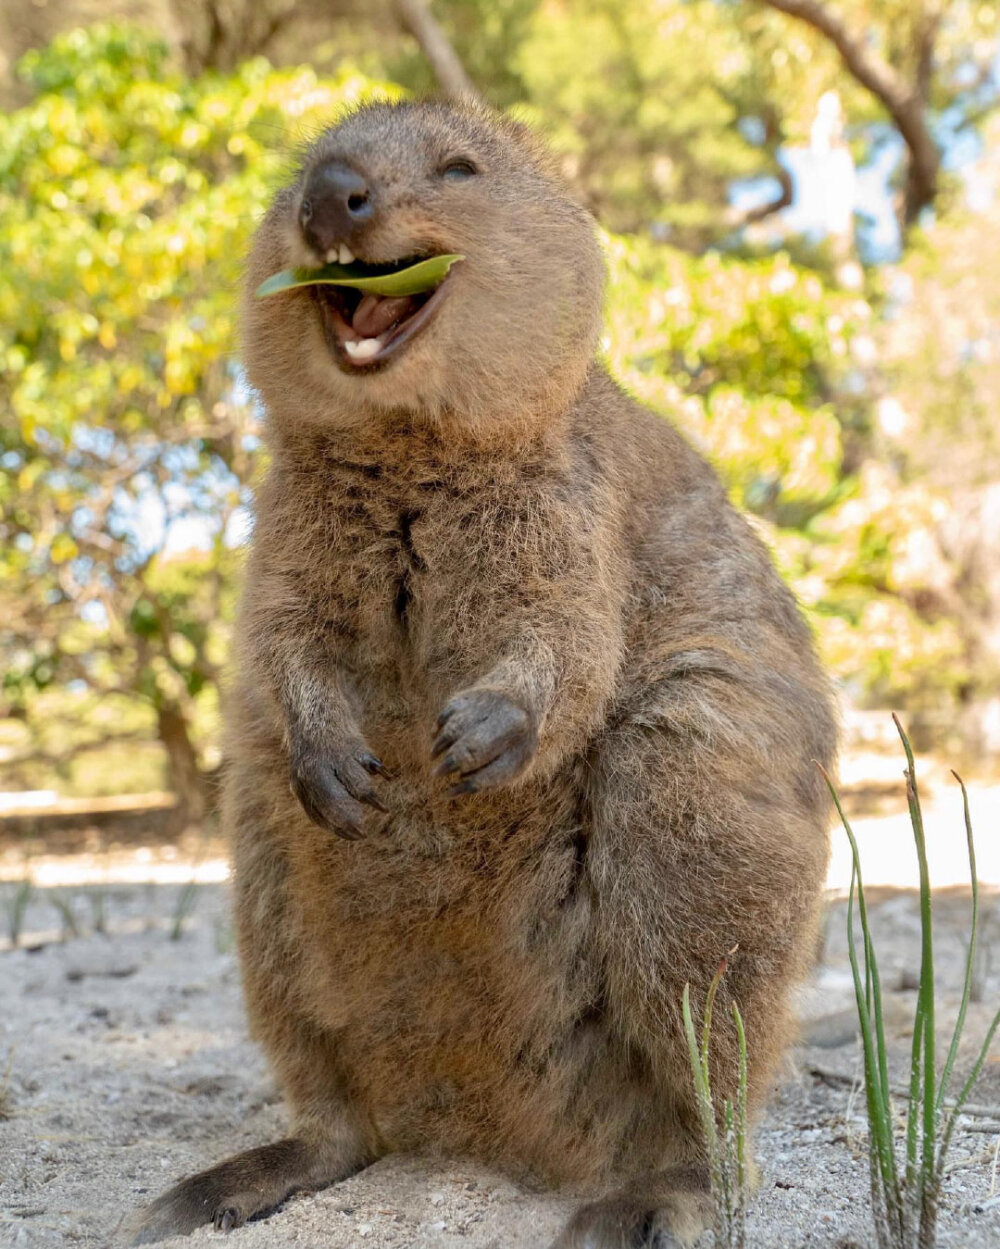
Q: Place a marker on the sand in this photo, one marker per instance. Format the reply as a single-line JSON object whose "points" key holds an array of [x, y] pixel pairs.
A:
{"points": [[125, 1064]]}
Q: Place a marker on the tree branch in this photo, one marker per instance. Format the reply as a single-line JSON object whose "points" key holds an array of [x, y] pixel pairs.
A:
{"points": [[926, 47], [774, 136], [762, 211], [417, 20], [904, 103]]}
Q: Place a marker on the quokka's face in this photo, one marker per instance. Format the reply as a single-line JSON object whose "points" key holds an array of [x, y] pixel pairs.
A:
{"points": [[394, 184]]}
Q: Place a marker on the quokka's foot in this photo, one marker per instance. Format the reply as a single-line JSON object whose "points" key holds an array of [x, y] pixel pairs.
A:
{"points": [[249, 1184], [668, 1211]]}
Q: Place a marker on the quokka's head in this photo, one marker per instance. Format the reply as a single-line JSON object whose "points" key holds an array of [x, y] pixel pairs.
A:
{"points": [[504, 339]]}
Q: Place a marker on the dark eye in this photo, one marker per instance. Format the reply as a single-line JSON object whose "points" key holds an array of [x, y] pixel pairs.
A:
{"points": [[456, 170]]}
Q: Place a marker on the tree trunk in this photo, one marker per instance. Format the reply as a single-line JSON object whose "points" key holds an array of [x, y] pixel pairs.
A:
{"points": [[417, 20], [184, 775]]}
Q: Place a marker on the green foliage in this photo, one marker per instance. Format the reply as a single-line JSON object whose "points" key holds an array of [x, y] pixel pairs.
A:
{"points": [[412, 280], [127, 196], [129, 444], [939, 348], [745, 353], [760, 362], [906, 1183], [661, 111]]}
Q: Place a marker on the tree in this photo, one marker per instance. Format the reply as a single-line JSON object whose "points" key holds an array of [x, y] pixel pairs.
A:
{"points": [[759, 362], [127, 194], [416, 18], [656, 133], [928, 64], [129, 444]]}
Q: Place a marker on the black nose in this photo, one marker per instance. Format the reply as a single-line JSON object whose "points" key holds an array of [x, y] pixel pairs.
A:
{"points": [[337, 201]]}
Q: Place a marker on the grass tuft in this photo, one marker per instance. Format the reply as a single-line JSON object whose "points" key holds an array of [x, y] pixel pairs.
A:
{"points": [[67, 914], [186, 901], [724, 1129], [16, 899], [98, 899], [906, 1180], [6, 1097]]}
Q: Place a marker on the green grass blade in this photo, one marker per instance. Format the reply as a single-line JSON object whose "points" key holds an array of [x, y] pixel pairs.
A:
{"points": [[913, 1095], [966, 1089], [706, 1027], [414, 280], [703, 1096], [64, 906], [741, 1101], [17, 905], [185, 904], [873, 981], [876, 1078], [956, 1036], [926, 991], [876, 1093], [728, 1186]]}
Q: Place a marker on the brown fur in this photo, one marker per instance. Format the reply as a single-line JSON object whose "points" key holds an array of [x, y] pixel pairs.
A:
{"points": [[498, 972]]}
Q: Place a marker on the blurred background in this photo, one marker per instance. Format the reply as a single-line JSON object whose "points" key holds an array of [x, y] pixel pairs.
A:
{"points": [[800, 200]]}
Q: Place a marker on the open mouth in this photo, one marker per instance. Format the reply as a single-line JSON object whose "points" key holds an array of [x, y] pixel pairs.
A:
{"points": [[363, 330]]}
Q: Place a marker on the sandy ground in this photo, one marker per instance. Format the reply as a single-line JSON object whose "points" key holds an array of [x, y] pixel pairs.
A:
{"points": [[128, 1065]]}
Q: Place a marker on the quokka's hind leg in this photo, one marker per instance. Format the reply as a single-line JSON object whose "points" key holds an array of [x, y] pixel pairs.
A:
{"points": [[707, 831], [245, 1185], [662, 1211], [330, 1143]]}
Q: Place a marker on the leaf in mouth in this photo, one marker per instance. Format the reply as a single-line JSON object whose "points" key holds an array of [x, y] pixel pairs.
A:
{"points": [[413, 280]]}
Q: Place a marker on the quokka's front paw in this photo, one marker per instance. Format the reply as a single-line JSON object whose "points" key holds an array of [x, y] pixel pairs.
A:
{"points": [[334, 785], [483, 739]]}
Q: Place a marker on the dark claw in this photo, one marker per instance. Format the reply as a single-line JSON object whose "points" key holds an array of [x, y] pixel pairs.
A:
{"points": [[332, 786], [373, 800], [326, 802], [443, 741], [227, 1219], [376, 767], [464, 787]]}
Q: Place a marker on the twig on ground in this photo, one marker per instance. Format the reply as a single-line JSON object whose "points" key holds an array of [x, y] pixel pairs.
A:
{"points": [[840, 1079]]}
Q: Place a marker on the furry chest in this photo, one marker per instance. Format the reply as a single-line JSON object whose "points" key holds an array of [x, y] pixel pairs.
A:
{"points": [[395, 586], [365, 579]]}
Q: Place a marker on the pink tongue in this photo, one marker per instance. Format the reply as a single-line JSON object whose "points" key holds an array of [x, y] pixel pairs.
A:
{"points": [[376, 313]]}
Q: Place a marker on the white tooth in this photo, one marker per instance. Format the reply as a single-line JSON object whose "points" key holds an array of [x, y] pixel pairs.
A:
{"points": [[365, 349], [346, 255], [331, 256]]}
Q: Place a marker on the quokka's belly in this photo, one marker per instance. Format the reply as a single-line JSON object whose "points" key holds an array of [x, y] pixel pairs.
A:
{"points": [[457, 972]]}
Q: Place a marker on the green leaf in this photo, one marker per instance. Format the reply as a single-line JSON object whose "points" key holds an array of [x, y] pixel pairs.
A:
{"points": [[413, 280]]}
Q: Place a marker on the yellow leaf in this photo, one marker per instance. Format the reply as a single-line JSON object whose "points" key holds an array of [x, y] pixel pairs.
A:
{"points": [[63, 548]]}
